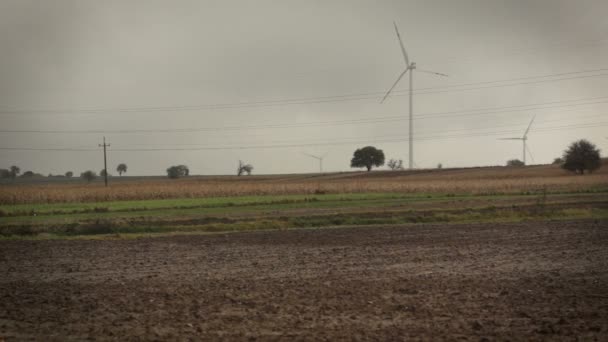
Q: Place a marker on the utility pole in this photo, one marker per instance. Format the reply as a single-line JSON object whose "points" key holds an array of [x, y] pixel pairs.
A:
{"points": [[105, 161]]}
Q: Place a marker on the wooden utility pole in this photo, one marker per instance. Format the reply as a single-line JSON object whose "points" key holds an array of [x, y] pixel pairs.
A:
{"points": [[105, 161]]}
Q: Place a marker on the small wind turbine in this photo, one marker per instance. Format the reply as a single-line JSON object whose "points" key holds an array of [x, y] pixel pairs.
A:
{"points": [[409, 66], [524, 139], [319, 158]]}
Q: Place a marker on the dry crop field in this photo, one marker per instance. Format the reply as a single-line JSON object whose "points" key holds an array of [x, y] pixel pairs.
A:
{"points": [[488, 180]]}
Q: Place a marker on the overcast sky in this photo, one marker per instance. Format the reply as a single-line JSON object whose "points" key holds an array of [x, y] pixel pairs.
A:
{"points": [[197, 81]]}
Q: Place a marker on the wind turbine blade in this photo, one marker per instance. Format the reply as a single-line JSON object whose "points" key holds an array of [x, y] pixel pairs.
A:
{"points": [[530, 125], [405, 57], [395, 84], [530, 153], [310, 155], [432, 72]]}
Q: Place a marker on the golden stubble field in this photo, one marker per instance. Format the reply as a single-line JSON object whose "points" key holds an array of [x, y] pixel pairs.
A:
{"points": [[488, 180]]}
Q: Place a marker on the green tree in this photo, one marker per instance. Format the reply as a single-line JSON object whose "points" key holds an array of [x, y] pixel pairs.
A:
{"points": [[4, 173], [121, 168], [69, 174], [581, 155], [367, 157], [89, 175], [14, 171], [515, 163]]}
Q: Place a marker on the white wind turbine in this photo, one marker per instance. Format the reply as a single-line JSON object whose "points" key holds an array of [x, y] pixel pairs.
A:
{"points": [[524, 139], [319, 158], [409, 66]]}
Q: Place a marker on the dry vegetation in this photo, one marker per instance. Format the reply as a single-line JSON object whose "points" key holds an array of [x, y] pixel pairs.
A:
{"points": [[474, 181]]}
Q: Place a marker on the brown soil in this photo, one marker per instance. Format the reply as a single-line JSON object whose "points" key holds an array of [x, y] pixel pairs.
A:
{"points": [[518, 281]]}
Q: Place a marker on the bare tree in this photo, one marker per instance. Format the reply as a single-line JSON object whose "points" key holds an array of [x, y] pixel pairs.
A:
{"points": [[244, 168], [394, 164]]}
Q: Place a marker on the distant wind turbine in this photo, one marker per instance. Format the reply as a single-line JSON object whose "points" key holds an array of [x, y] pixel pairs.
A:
{"points": [[409, 66], [319, 158], [524, 139]]}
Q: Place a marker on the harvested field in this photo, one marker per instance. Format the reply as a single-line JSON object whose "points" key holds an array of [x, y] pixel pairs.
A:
{"points": [[515, 281]]}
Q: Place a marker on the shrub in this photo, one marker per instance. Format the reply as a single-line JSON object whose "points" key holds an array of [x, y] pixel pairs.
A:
{"points": [[515, 163], [89, 175], [177, 171]]}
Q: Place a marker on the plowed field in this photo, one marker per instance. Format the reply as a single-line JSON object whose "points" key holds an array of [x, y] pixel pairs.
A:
{"points": [[517, 281]]}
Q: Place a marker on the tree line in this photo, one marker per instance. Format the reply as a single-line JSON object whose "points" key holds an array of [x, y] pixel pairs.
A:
{"points": [[14, 171], [581, 156]]}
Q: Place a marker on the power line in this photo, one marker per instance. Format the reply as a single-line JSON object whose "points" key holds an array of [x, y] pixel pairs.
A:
{"points": [[358, 140], [322, 99], [526, 51], [424, 116], [507, 52], [424, 137], [400, 135]]}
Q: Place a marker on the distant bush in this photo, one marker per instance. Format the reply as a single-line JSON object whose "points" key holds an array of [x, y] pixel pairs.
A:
{"points": [[178, 171], [89, 175], [515, 163], [27, 174]]}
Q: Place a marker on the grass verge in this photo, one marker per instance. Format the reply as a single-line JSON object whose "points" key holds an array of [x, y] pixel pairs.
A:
{"points": [[103, 228]]}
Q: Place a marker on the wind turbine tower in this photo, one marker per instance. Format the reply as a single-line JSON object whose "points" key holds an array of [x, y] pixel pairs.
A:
{"points": [[319, 158], [409, 67], [524, 139]]}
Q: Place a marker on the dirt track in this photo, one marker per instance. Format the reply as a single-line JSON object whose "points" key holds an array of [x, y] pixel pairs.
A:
{"points": [[509, 281]]}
